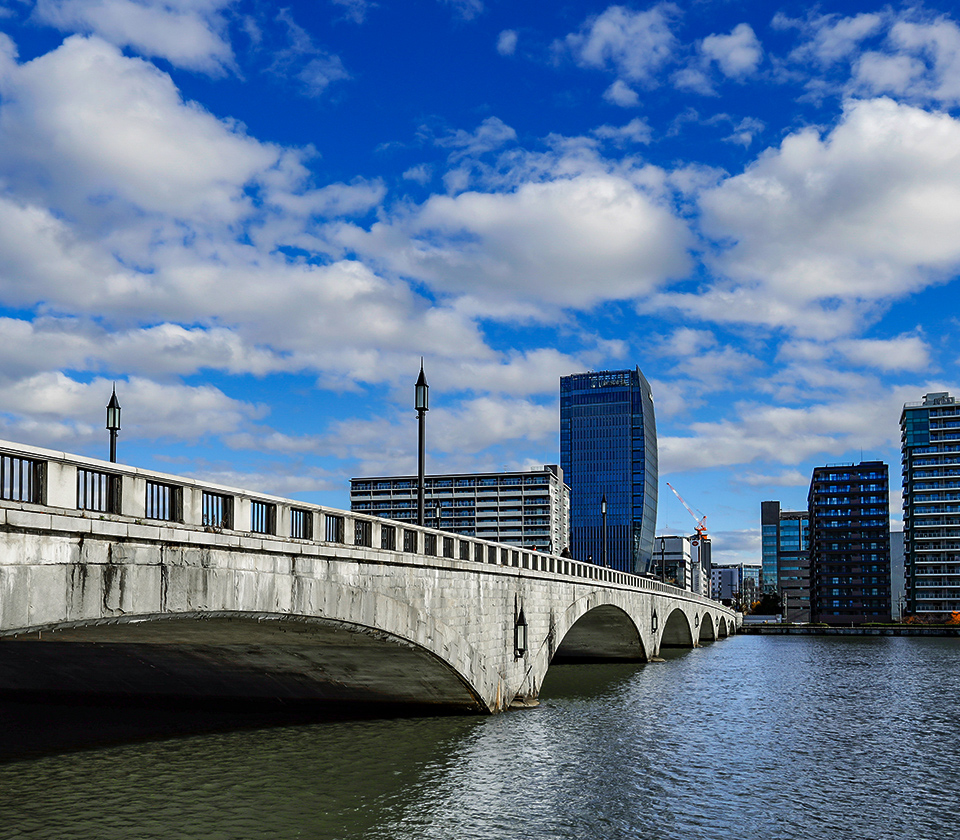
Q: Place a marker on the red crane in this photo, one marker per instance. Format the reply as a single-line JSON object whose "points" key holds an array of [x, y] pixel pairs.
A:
{"points": [[701, 528]]}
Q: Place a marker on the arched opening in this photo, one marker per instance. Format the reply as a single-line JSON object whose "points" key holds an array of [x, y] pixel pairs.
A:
{"points": [[676, 631], [708, 632], [268, 657], [603, 633], [722, 632]]}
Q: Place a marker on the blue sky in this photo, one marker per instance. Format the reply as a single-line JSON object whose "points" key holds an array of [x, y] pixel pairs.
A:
{"points": [[257, 218]]}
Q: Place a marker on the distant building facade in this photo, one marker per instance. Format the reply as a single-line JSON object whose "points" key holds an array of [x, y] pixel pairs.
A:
{"points": [[785, 559], [849, 508], [930, 458], [737, 585], [608, 446], [681, 561], [526, 508]]}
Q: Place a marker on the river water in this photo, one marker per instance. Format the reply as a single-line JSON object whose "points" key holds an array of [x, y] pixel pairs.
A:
{"points": [[751, 737]]}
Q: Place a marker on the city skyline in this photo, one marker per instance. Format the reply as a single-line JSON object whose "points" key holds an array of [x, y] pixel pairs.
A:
{"points": [[256, 221]]}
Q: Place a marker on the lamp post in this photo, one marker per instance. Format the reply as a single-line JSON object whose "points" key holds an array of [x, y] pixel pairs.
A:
{"points": [[603, 514], [113, 423], [422, 403]]}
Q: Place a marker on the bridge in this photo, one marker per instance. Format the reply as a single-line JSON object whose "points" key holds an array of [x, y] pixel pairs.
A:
{"points": [[121, 581]]}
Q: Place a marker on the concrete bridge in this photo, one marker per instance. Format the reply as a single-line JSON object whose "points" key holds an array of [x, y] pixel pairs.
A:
{"points": [[116, 580]]}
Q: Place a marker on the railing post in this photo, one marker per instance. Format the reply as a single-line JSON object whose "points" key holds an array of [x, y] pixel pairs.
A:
{"points": [[61, 489], [192, 505], [133, 496]]}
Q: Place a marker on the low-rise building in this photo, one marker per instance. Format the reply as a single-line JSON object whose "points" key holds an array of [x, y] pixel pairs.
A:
{"points": [[528, 508]]}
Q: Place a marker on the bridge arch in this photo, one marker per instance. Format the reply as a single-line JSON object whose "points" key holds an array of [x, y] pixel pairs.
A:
{"points": [[677, 631], [708, 632], [235, 654], [602, 632]]}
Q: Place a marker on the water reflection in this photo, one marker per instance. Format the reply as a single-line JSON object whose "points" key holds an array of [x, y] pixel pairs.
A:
{"points": [[752, 737]]}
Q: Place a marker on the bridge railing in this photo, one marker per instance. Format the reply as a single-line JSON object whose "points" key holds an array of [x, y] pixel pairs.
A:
{"points": [[33, 478]]}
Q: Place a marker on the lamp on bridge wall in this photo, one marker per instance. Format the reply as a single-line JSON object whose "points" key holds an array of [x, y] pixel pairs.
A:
{"points": [[113, 423], [654, 621], [603, 515], [520, 635], [421, 402]]}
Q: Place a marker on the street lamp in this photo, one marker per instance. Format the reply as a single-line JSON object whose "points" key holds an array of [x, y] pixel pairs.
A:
{"points": [[113, 423], [422, 404], [603, 514]]}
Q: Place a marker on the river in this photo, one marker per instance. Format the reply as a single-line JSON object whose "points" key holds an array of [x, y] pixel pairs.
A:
{"points": [[753, 737]]}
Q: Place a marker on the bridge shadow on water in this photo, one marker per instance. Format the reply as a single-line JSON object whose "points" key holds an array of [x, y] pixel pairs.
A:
{"points": [[42, 724], [38, 724]]}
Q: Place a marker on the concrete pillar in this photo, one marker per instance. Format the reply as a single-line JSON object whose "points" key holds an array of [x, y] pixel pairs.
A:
{"points": [[192, 501], [282, 523], [133, 496], [61, 490], [241, 514]]}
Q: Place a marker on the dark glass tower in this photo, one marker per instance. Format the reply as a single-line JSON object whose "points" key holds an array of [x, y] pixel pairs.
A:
{"points": [[850, 543], [608, 446]]}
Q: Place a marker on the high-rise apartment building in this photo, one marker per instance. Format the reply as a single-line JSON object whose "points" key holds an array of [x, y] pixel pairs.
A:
{"points": [[849, 508], [785, 560], [527, 508], [930, 452], [608, 448]]}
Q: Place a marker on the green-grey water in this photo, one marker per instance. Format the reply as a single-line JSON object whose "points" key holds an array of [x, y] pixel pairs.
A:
{"points": [[753, 737]]}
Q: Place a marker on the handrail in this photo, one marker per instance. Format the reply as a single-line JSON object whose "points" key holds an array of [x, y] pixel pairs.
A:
{"points": [[185, 509]]}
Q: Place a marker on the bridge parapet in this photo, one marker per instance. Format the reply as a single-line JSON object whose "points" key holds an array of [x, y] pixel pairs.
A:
{"points": [[121, 500], [96, 553]]}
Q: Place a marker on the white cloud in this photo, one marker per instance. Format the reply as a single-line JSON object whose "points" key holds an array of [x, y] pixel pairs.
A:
{"points": [[787, 478], [635, 131], [84, 121], [491, 134], [737, 54], [57, 408], [632, 44], [507, 42], [824, 230], [831, 38], [620, 93], [564, 242], [187, 33], [922, 62]]}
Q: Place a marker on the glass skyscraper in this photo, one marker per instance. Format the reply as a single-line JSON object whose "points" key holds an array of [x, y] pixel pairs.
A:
{"points": [[608, 447], [786, 559]]}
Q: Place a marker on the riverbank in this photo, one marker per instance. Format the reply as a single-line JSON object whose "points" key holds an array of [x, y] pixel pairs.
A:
{"points": [[861, 630]]}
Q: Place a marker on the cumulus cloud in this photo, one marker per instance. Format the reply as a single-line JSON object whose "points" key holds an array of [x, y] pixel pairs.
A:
{"points": [[620, 93], [737, 54], [829, 39], [826, 229], [86, 121], [563, 242], [187, 33], [634, 45], [921, 61]]}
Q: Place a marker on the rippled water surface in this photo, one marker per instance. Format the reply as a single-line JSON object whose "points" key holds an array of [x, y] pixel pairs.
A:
{"points": [[753, 737]]}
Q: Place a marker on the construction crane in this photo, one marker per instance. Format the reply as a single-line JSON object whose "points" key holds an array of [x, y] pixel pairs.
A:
{"points": [[701, 528]]}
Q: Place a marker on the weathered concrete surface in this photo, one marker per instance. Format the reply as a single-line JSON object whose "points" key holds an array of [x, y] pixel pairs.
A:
{"points": [[102, 603]]}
